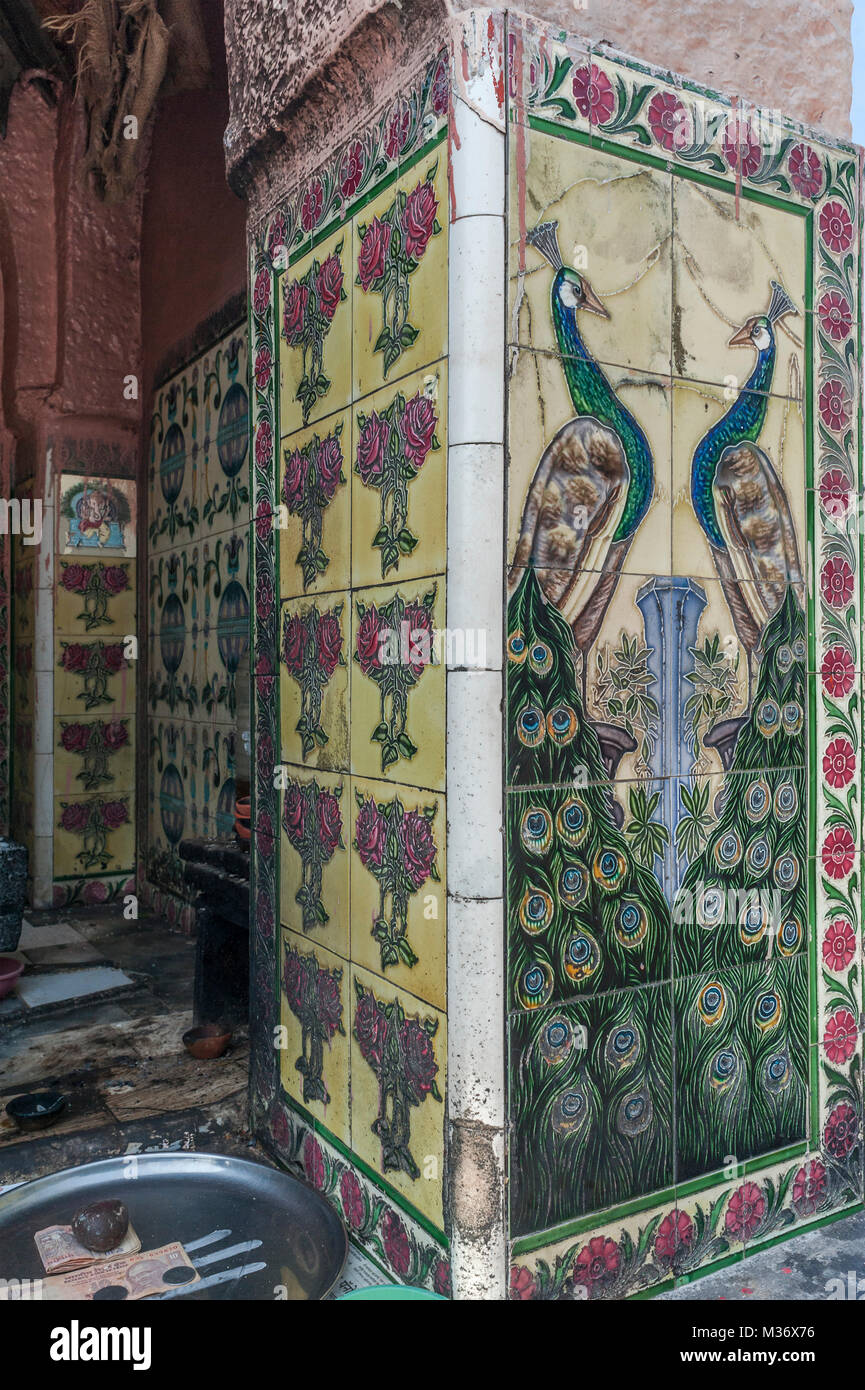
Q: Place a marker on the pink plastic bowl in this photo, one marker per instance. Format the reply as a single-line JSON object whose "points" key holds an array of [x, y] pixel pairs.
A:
{"points": [[10, 969]]}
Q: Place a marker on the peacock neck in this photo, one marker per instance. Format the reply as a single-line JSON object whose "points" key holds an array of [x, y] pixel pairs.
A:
{"points": [[592, 394], [747, 414]]}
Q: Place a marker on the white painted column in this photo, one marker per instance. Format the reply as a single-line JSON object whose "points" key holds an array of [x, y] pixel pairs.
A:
{"points": [[475, 557]]}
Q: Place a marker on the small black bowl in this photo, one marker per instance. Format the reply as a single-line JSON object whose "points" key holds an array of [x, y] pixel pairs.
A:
{"points": [[37, 1110]]}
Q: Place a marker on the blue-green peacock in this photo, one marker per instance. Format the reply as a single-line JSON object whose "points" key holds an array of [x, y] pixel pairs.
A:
{"points": [[595, 480], [738, 497], [591, 1122], [740, 916]]}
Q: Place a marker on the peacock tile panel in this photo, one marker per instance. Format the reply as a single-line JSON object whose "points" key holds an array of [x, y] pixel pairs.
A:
{"points": [[742, 1063], [590, 488], [591, 1105], [612, 223]]}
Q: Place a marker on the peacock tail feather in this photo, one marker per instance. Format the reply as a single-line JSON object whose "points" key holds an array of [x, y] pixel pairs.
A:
{"points": [[739, 930], [585, 914], [591, 1094], [591, 1075]]}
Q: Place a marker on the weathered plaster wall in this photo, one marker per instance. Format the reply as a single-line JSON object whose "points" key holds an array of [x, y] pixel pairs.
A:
{"points": [[192, 235], [299, 84], [70, 334]]}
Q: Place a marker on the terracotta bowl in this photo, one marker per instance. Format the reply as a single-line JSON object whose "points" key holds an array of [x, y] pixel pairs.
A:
{"points": [[36, 1110], [207, 1041], [10, 970], [243, 809], [243, 831]]}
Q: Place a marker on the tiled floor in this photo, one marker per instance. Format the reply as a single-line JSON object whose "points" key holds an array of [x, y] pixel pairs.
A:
{"points": [[99, 1015]]}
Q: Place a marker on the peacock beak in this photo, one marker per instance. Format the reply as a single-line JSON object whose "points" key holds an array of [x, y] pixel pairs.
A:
{"points": [[591, 302], [742, 337]]}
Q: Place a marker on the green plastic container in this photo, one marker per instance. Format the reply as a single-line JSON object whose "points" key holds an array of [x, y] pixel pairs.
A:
{"points": [[391, 1291]]}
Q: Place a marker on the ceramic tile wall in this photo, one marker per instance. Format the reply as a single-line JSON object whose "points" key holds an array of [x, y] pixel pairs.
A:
{"points": [[350, 315], [92, 653], [198, 608], [682, 331]]}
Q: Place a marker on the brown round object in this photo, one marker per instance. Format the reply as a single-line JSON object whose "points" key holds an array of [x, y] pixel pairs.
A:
{"points": [[102, 1226]]}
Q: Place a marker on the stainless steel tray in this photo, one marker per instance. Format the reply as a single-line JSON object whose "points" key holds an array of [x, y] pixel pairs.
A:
{"points": [[252, 1232]]}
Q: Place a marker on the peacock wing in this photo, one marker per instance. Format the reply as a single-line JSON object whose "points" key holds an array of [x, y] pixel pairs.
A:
{"points": [[571, 511], [756, 522]]}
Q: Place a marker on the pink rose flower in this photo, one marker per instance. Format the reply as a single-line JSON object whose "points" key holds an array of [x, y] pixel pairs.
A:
{"points": [[114, 814], [372, 256], [328, 638], [370, 833], [294, 640], [369, 631], [419, 847], [372, 448], [294, 481], [294, 814], [418, 426], [329, 823], [328, 463], [329, 286], [294, 313], [418, 219]]}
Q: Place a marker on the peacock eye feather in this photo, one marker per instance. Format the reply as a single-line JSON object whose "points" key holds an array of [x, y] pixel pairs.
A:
{"points": [[609, 868], [758, 857], [536, 830], [562, 724], [712, 1003], [786, 872], [573, 821], [517, 648], [623, 1047], [792, 718], [790, 936], [570, 1112], [753, 921], [556, 1041], [725, 1065], [710, 907], [786, 802], [581, 956], [635, 1113], [728, 850], [632, 923], [757, 801], [536, 911], [573, 885], [541, 658], [767, 1011], [535, 985], [784, 658], [777, 1073], [531, 727], [768, 718]]}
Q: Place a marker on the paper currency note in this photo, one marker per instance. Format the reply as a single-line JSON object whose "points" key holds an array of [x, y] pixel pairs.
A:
{"points": [[59, 1251], [135, 1276]]}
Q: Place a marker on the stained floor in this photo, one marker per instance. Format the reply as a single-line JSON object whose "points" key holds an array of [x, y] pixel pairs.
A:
{"points": [[101, 1019]]}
